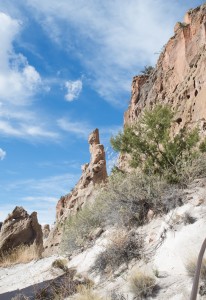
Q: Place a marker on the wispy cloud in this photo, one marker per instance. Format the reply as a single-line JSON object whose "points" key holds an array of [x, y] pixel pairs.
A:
{"points": [[38, 194], [74, 89], [41, 199], [116, 38], [80, 129], [2, 154], [26, 131]]}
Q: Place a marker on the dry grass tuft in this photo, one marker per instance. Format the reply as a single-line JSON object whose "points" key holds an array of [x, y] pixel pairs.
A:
{"points": [[191, 267], [142, 285], [60, 264], [22, 254], [87, 293]]}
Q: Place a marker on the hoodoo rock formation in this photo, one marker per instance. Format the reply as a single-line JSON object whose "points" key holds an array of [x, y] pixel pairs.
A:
{"points": [[93, 173], [179, 78], [20, 228]]}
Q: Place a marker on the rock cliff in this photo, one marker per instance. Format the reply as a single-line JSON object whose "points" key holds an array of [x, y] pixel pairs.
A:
{"points": [[179, 78]]}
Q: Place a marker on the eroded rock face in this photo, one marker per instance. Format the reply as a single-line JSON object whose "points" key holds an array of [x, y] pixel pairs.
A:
{"points": [[20, 228], [92, 173], [46, 231], [179, 78]]}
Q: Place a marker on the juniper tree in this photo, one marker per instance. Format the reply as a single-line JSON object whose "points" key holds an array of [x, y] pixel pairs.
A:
{"points": [[151, 145]]}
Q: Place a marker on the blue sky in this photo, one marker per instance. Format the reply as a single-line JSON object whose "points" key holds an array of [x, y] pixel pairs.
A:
{"points": [[66, 68]]}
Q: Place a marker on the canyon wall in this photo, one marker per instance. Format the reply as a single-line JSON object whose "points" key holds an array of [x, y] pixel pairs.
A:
{"points": [[179, 78]]}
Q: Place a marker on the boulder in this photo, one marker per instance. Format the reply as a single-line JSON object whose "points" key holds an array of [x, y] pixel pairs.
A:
{"points": [[20, 228]]}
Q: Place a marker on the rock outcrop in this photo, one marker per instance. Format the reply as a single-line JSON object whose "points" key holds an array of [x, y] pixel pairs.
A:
{"points": [[179, 78], [92, 173], [20, 228]]}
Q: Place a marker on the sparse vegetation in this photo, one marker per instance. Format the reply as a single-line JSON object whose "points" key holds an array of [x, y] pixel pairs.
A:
{"points": [[124, 201], [191, 267], [142, 285], [154, 150], [87, 293], [21, 254], [147, 70], [78, 227], [122, 248], [60, 264], [188, 219]]}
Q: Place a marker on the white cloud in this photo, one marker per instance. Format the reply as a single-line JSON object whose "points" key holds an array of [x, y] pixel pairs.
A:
{"points": [[18, 80], [74, 89], [80, 129], [19, 84], [2, 154], [26, 131], [113, 39], [41, 199]]}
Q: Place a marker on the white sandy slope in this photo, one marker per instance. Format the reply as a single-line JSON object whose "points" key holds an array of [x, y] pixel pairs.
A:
{"points": [[168, 246]]}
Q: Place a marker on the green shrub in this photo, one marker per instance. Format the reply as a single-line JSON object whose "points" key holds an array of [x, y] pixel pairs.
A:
{"points": [[142, 285], [153, 149], [123, 248]]}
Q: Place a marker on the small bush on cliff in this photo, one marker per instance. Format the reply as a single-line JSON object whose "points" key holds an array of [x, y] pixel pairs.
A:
{"points": [[147, 70], [153, 149]]}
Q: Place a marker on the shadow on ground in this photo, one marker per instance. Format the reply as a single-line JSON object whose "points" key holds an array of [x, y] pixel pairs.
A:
{"points": [[63, 285]]}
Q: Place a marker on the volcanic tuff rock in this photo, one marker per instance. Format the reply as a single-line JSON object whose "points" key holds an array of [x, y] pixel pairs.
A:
{"points": [[179, 78], [20, 228], [93, 173]]}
